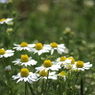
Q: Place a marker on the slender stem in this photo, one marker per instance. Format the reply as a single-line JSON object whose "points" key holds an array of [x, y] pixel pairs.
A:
{"points": [[77, 76], [46, 84], [42, 86], [81, 87], [3, 62], [26, 88], [9, 83], [31, 89]]}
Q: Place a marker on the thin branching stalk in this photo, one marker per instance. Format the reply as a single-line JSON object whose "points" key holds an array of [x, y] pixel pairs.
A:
{"points": [[81, 87], [26, 90], [31, 89], [46, 84], [43, 84]]}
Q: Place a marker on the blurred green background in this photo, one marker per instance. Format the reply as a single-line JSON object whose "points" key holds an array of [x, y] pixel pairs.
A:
{"points": [[71, 22]]}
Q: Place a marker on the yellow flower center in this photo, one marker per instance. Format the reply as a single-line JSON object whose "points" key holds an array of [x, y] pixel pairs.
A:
{"points": [[72, 60], [24, 58], [69, 67], [62, 73], [24, 44], [39, 46], [79, 64], [47, 63], [43, 72], [2, 51], [62, 58], [24, 72], [54, 45], [3, 19]]}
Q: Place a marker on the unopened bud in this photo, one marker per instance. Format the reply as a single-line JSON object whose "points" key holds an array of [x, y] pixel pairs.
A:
{"points": [[10, 23], [8, 68], [9, 30]]}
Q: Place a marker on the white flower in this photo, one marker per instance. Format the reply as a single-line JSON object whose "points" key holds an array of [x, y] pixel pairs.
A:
{"points": [[6, 53], [25, 76], [39, 48], [25, 60], [59, 47], [49, 66], [60, 60], [80, 65], [65, 62], [3, 20], [44, 73], [53, 68], [52, 75], [62, 74], [69, 62], [23, 46]]}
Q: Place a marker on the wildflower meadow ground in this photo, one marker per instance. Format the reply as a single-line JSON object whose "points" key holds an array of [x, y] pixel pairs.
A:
{"points": [[45, 47]]}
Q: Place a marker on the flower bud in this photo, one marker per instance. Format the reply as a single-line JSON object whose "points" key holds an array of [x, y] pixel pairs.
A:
{"points": [[8, 68]]}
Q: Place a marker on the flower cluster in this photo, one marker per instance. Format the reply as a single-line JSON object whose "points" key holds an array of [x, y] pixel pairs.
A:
{"points": [[71, 64], [61, 69], [26, 61], [49, 69], [40, 48]]}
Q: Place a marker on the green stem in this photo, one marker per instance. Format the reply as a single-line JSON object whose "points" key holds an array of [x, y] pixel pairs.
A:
{"points": [[3, 62], [43, 83], [31, 89], [46, 84], [81, 87], [9, 83], [26, 90], [77, 76]]}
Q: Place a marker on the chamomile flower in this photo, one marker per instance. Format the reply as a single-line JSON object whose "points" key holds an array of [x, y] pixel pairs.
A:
{"points": [[52, 75], [65, 62], [69, 62], [72, 60], [25, 60], [62, 74], [44, 73], [59, 47], [80, 65], [3, 20], [60, 60], [23, 46], [49, 66], [25, 75], [39, 48], [6, 53]]}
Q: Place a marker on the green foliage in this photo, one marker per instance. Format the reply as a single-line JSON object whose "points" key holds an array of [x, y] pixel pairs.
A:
{"points": [[63, 21]]}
